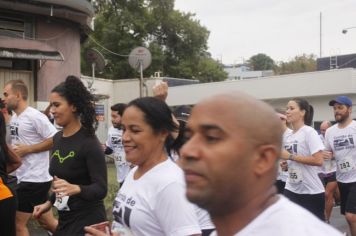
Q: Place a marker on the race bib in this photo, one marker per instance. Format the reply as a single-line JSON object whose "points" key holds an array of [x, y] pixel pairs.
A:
{"points": [[61, 202], [345, 164], [120, 229], [120, 159], [295, 175]]}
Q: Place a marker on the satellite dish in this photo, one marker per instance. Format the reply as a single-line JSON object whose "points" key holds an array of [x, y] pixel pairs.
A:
{"points": [[140, 58], [97, 61], [95, 57]]}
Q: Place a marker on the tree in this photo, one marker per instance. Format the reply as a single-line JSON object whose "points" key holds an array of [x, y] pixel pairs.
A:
{"points": [[210, 70], [302, 63], [261, 62], [178, 43]]}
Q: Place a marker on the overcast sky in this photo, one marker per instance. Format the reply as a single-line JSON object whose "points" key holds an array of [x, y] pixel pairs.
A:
{"points": [[281, 29]]}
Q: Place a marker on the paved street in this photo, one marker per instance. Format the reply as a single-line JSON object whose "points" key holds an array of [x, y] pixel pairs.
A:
{"points": [[338, 221]]}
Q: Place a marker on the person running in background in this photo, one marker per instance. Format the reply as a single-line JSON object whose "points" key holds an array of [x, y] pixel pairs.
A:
{"points": [[230, 169], [77, 163], [9, 162], [340, 142], [180, 117], [282, 167], [328, 176], [114, 145], [182, 114], [7, 116], [31, 138], [303, 150]]}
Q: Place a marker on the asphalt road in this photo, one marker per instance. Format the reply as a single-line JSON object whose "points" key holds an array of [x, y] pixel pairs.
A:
{"points": [[338, 221]]}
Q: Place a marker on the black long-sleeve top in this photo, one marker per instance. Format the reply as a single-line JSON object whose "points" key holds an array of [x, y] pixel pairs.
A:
{"points": [[79, 160], [3, 162]]}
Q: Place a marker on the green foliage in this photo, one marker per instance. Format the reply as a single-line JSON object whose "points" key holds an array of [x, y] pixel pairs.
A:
{"points": [[113, 188], [177, 41], [299, 64], [302, 63], [261, 62], [210, 70]]}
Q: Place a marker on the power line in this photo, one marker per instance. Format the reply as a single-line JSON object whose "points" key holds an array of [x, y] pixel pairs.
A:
{"points": [[114, 53], [38, 39]]}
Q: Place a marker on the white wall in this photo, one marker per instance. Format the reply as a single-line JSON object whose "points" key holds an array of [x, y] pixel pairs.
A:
{"points": [[318, 88], [311, 84], [118, 91]]}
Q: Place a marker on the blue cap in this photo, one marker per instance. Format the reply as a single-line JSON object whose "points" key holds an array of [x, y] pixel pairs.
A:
{"points": [[343, 100]]}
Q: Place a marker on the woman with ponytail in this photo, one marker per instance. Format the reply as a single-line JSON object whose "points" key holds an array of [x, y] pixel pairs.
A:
{"points": [[77, 161], [303, 150]]}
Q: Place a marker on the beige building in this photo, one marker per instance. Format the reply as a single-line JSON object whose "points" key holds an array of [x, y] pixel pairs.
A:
{"points": [[40, 42]]}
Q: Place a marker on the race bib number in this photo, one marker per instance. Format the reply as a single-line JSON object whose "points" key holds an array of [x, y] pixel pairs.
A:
{"points": [[119, 159], [345, 164], [295, 175], [61, 202]]}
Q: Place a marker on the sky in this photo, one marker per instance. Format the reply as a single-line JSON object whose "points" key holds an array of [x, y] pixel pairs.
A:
{"points": [[282, 29]]}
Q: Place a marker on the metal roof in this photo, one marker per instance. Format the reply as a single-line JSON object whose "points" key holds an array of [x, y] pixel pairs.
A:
{"points": [[30, 54]]}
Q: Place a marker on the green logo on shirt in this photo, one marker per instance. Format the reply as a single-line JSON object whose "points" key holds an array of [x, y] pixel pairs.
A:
{"points": [[62, 159]]}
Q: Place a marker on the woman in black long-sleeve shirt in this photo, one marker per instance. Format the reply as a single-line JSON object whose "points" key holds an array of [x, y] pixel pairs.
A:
{"points": [[77, 163], [9, 162]]}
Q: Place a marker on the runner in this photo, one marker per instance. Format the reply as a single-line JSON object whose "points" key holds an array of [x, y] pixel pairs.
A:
{"points": [[282, 167], [31, 138], [151, 200], [303, 150], [9, 162], [230, 169], [77, 163], [328, 176], [114, 145], [340, 140]]}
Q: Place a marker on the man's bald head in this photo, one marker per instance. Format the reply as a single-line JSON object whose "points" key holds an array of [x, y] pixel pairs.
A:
{"points": [[256, 117], [234, 141]]}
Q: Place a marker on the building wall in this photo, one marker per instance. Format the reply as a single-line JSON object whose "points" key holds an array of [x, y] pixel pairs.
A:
{"points": [[116, 91], [310, 84], [244, 72], [318, 88], [66, 39]]}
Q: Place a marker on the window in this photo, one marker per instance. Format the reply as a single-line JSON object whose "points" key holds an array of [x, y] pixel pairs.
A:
{"points": [[17, 26]]}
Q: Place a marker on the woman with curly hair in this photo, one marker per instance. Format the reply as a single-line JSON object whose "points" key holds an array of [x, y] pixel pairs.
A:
{"points": [[78, 163]]}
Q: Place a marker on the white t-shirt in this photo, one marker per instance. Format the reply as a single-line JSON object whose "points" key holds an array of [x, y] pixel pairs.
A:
{"points": [[329, 166], [32, 127], [283, 175], [155, 204], [203, 218], [114, 142], [304, 179], [342, 143], [286, 218]]}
